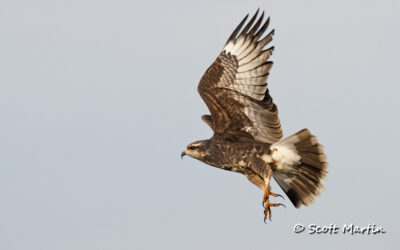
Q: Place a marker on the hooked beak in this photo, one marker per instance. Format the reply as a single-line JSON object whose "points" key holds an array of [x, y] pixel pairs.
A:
{"points": [[183, 154]]}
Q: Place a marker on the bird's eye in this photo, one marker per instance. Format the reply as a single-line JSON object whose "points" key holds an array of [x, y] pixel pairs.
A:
{"points": [[191, 147]]}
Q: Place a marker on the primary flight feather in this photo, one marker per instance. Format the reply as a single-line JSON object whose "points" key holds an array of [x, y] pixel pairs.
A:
{"points": [[247, 131]]}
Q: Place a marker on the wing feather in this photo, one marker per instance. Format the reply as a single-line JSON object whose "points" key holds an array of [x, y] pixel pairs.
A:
{"points": [[208, 119], [235, 89]]}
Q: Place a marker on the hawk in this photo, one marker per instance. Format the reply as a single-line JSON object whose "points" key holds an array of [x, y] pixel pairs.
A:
{"points": [[247, 132]]}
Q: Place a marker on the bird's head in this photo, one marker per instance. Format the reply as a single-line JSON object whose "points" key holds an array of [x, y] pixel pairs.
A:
{"points": [[197, 150]]}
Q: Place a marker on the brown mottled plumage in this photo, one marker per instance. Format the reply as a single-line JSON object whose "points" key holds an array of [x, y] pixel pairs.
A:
{"points": [[247, 131]]}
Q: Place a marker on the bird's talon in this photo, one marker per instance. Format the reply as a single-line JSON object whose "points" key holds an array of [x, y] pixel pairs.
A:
{"points": [[267, 205], [276, 204]]}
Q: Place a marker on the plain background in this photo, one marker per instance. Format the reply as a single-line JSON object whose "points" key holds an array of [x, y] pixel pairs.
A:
{"points": [[98, 99]]}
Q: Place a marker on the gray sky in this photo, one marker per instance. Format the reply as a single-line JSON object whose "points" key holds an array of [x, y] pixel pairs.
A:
{"points": [[98, 99]]}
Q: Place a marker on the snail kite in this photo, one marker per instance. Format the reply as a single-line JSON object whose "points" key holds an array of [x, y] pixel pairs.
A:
{"points": [[247, 132]]}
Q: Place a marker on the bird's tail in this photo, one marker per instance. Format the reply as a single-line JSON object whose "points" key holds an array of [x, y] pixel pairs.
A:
{"points": [[299, 166]]}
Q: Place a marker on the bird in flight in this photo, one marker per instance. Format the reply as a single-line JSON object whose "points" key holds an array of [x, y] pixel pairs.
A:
{"points": [[247, 132]]}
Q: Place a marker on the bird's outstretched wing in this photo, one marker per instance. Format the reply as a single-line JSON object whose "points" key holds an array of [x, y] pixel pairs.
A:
{"points": [[234, 87]]}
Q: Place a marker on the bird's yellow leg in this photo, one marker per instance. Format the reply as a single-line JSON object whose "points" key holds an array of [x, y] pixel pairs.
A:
{"points": [[267, 205], [267, 210], [267, 193]]}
